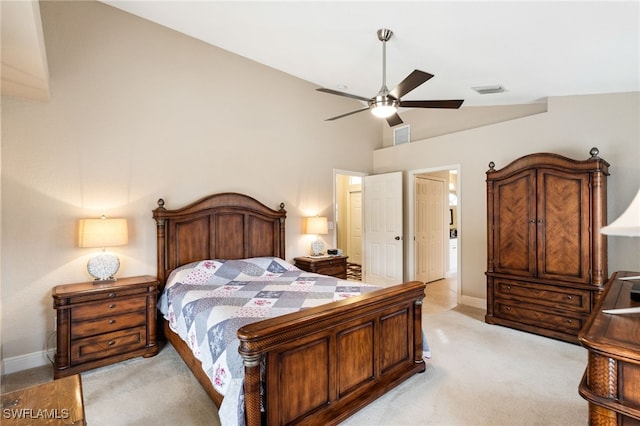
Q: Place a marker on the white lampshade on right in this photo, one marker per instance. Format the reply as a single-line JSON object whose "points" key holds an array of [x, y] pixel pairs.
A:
{"points": [[628, 224]]}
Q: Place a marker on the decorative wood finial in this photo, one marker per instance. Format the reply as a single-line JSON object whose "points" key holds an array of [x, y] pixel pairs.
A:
{"points": [[492, 166]]}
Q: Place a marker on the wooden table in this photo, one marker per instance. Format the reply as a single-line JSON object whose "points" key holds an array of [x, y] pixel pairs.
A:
{"points": [[52, 403], [611, 382]]}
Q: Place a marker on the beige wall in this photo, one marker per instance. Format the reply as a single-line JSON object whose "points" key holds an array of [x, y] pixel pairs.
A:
{"points": [[570, 127], [139, 112]]}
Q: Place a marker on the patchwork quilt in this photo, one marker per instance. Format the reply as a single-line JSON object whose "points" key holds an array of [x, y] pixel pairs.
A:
{"points": [[206, 303]]}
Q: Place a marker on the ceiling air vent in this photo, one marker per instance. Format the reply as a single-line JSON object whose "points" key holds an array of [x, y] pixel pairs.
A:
{"points": [[486, 90]]}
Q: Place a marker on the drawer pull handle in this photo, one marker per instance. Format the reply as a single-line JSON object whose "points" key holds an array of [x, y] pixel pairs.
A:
{"points": [[112, 295], [569, 297], [569, 321], [112, 342], [112, 321], [508, 308], [508, 287], [111, 306]]}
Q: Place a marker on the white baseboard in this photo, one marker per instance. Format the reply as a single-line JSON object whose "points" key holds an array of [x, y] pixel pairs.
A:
{"points": [[25, 362], [474, 302]]}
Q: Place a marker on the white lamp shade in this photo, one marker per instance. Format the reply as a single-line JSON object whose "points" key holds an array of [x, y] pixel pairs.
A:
{"points": [[102, 232], [316, 225], [628, 224]]}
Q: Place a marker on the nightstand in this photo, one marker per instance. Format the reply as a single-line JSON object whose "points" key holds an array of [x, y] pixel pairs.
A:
{"points": [[329, 265], [100, 324]]}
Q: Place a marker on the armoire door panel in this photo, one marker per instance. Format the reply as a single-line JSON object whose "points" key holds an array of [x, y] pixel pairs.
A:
{"points": [[514, 234], [563, 225]]}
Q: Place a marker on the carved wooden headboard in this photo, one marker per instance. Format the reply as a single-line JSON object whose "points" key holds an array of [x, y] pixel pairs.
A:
{"points": [[220, 226]]}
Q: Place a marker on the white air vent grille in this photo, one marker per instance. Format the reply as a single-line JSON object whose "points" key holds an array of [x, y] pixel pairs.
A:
{"points": [[486, 90], [402, 135]]}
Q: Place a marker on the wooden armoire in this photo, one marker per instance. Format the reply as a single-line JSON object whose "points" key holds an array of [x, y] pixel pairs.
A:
{"points": [[546, 258]]}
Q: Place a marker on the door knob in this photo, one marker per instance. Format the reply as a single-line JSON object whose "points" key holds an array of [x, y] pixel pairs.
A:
{"points": [[397, 238]]}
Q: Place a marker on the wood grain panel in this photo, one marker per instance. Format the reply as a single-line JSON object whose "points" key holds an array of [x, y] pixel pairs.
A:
{"points": [[265, 242], [563, 225], [513, 241], [190, 239], [355, 347], [394, 347], [229, 240], [310, 361]]}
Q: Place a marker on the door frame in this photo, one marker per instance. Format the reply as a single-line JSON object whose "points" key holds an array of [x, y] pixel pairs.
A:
{"points": [[410, 193], [335, 199], [444, 247]]}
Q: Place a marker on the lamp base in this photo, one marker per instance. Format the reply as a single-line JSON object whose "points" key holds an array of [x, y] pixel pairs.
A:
{"points": [[317, 246], [99, 281], [103, 266]]}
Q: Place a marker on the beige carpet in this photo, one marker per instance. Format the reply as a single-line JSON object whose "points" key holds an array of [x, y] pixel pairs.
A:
{"points": [[479, 375]]}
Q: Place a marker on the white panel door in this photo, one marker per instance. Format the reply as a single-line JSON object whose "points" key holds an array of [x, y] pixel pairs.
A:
{"points": [[383, 263], [354, 242], [429, 229]]}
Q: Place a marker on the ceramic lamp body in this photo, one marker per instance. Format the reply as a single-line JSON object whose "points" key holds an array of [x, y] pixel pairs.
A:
{"points": [[317, 247], [103, 266]]}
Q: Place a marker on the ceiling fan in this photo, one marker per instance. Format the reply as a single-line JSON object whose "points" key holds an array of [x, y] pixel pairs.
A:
{"points": [[386, 103]]}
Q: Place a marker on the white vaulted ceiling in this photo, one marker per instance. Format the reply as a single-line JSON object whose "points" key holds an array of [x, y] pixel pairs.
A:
{"points": [[534, 49]]}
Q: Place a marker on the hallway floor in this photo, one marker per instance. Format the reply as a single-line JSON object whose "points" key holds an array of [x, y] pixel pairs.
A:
{"points": [[441, 295]]}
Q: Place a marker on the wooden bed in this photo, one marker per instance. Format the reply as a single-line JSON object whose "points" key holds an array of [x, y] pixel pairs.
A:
{"points": [[323, 363]]}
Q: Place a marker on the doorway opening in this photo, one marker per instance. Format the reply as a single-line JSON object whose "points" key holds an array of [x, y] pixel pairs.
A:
{"points": [[348, 219], [434, 224]]}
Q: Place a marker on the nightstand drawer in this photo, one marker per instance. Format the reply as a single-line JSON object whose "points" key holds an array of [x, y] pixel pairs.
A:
{"points": [[108, 344], [337, 270], [108, 324], [108, 307], [104, 294]]}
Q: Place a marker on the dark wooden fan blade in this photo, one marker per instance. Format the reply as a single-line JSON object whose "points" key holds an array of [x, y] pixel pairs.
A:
{"points": [[394, 120], [348, 95], [453, 104], [349, 113], [413, 80]]}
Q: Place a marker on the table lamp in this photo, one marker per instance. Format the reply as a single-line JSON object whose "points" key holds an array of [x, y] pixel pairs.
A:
{"points": [[103, 233], [317, 226], [627, 225]]}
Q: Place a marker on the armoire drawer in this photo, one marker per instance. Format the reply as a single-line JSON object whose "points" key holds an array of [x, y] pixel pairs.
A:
{"points": [[539, 318], [562, 298]]}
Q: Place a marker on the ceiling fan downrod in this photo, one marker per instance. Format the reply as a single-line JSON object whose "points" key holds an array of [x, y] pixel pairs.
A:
{"points": [[384, 36], [383, 105]]}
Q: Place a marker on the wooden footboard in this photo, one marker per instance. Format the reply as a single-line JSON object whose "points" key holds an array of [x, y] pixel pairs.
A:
{"points": [[325, 363]]}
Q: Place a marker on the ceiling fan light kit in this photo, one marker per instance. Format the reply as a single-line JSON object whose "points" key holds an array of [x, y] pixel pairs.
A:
{"points": [[386, 103], [383, 107]]}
